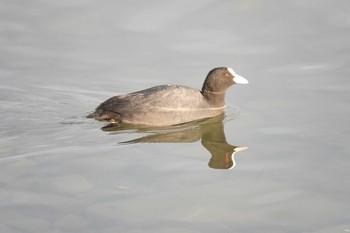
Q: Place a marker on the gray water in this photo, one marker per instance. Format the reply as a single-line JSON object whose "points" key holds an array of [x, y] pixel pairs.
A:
{"points": [[61, 173]]}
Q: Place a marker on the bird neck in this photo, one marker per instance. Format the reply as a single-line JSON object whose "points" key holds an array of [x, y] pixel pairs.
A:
{"points": [[215, 98]]}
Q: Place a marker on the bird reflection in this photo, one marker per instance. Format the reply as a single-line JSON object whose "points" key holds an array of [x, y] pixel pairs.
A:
{"points": [[211, 131]]}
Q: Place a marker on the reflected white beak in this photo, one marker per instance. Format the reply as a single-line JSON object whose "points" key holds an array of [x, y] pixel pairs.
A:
{"points": [[240, 148], [237, 78]]}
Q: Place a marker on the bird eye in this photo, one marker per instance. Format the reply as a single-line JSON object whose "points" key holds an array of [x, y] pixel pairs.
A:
{"points": [[227, 75]]}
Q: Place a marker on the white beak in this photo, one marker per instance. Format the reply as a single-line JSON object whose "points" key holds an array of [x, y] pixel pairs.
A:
{"points": [[240, 80], [237, 78]]}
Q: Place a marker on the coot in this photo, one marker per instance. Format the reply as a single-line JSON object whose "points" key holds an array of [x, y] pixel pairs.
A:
{"points": [[166, 105]]}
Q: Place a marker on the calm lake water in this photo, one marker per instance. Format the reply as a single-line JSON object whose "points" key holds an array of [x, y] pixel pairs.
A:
{"points": [[61, 173]]}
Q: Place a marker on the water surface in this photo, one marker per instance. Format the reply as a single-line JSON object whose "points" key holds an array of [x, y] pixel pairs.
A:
{"points": [[61, 173]]}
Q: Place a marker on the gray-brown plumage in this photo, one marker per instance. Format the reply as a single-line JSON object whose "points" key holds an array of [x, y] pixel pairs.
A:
{"points": [[170, 104]]}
